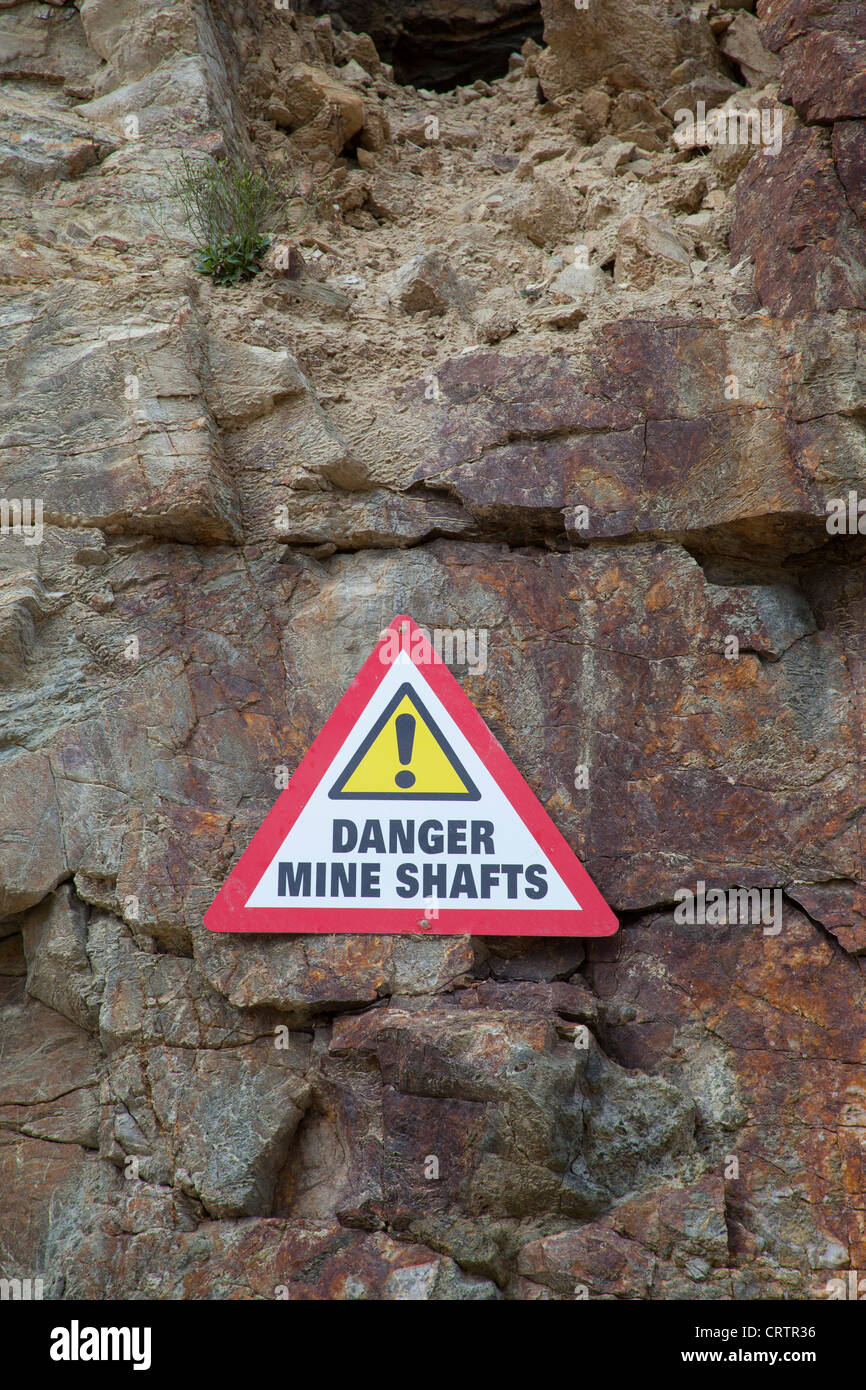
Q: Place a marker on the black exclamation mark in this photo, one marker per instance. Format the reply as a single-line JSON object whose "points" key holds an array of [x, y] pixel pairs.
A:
{"points": [[405, 726]]}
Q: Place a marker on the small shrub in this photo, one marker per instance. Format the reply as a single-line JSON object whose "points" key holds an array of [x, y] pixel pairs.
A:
{"points": [[233, 259], [229, 208]]}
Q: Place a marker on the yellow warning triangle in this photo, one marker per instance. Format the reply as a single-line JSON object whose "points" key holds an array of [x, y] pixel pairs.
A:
{"points": [[405, 757]]}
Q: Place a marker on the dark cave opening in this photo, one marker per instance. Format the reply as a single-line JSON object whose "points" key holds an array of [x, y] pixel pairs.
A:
{"points": [[440, 59], [440, 46]]}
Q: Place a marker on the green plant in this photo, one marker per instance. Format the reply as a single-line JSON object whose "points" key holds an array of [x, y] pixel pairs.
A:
{"points": [[235, 258], [228, 207]]}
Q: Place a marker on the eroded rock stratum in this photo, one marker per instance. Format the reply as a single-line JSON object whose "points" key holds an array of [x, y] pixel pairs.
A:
{"points": [[545, 373]]}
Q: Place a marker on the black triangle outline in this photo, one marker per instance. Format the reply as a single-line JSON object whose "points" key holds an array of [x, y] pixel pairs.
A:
{"points": [[406, 689]]}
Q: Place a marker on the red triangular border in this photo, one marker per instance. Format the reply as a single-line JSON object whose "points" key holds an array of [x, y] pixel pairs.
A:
{"points": [[228, 912]]}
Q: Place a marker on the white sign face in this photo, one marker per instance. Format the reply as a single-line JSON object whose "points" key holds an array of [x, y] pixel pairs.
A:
{"points": [[407, 815], [449, 838]]}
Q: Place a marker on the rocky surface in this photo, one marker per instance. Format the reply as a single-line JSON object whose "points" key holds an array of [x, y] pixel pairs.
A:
{"points": [[815, 255], [637, 46], [532, 366], [438, 43]]}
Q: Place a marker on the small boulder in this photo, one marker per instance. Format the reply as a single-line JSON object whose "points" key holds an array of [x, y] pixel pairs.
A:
{"points": [[615, 153], [284, 258], [428, 282], [637, 119], [688, 192], [596, 105], [303, 92], [543, 211], [565, 315], [742, 44], [648, 252], [581, 282], [498, 316], [361, 49]]}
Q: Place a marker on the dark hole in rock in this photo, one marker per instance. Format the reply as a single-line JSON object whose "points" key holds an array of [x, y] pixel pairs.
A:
{"points": [[440, 62], [441, 44]]}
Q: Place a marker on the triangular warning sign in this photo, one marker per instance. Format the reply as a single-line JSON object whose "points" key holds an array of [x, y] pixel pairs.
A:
{"points": [[406, 815], [405, 757]]}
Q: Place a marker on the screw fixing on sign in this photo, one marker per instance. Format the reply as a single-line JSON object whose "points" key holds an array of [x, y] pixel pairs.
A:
{"points": [[406, 799]]}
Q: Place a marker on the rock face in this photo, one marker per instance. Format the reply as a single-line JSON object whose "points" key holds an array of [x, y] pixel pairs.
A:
{"points": [[815, 256], [823, 53], [635, 45], [536, 370]]}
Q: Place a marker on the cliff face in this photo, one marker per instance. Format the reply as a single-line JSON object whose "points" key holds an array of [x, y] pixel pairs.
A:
{"points": [[544, 374]]}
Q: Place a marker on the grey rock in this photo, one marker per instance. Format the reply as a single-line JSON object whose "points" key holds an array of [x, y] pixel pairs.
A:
{"points": [[427, 282], [59, 972]]}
